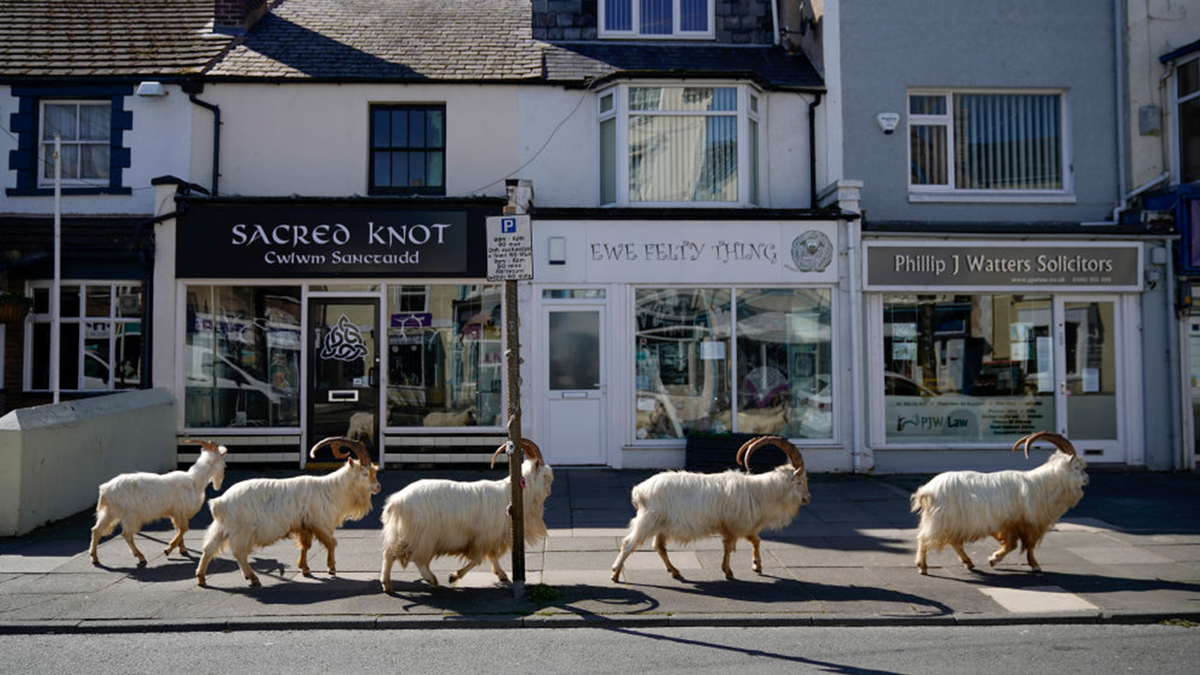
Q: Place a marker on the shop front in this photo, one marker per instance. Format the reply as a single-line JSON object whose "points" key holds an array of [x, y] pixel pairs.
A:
{"points": [[973, 344], [648, 333], [297, 320]]}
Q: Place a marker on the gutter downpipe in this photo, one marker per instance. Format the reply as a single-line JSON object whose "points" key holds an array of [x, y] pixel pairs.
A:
{"points": [[775, 20], [812, 150], [216, 167]]}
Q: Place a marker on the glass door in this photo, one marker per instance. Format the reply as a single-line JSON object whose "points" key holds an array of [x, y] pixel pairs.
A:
{"points": [[1089, 382], [575, 386], [343, 370]]}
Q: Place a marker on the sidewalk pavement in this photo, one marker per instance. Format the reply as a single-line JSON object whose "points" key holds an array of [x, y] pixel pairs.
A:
{"points": [[1129, 552]]}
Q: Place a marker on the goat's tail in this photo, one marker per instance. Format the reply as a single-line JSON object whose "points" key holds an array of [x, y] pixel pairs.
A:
{"points": [[921, 501], [393, 534], [104, 516]]}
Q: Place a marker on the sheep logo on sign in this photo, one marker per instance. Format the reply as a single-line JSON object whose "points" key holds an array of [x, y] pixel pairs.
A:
{"points": [[812, 252], [344, 342]]}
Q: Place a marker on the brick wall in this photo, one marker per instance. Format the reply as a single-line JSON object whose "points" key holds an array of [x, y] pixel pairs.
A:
{"points": [[735, 21]]}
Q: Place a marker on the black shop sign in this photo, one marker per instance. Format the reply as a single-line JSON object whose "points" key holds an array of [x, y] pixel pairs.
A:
{"points": [[289, 241]]}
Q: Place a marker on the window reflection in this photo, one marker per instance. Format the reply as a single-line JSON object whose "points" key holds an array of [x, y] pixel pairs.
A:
{"points": [[445, 356], [682, 357], [242, 356], [785, 363], [967, 367]]}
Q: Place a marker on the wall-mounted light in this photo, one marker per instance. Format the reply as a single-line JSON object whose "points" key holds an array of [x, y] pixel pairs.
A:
{"points": [[150, 88], [558, 250]]}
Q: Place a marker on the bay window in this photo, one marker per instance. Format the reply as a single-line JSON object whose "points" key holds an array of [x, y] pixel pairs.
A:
{"points": [[987, 143], [695, 145]]}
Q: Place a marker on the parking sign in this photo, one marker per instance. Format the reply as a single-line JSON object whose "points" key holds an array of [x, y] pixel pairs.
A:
{"points": [[510, 248]]}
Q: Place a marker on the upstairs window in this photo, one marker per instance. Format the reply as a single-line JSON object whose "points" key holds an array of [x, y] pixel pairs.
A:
{"points": [[987, 143], [85, 130], [679, 145], [90, 120], [1187, 96], [408, 150], [656, 18]]}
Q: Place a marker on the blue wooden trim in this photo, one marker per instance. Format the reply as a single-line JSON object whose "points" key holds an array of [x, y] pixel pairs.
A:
{"points": [[47, 192], [23, 123]]}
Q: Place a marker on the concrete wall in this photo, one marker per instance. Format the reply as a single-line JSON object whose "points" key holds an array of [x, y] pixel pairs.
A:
{"points": [[56, 456], [888, 47]]}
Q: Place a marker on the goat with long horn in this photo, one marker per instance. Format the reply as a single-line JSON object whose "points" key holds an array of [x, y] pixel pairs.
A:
{"points": [[1014, 507], [682, 506]]}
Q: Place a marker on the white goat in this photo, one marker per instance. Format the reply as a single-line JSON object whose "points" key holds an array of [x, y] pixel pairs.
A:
{"points": [[362, 425], [432, 518], [260, 511], [135, 499], [682, 506], [959, 507], [439, 418]]}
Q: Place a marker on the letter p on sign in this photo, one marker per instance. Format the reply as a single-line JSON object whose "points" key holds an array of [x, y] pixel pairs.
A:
{"points": [[508, 225]]}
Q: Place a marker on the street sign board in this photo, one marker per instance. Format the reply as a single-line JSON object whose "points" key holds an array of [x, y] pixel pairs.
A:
{"points": [[509, 248]]}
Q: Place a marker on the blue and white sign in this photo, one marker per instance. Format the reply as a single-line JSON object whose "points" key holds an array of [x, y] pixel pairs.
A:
{"points": [[509, 248]]}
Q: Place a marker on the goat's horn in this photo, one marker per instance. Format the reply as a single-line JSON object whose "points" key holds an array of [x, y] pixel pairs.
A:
{"points": [[208, 445], [1061, 443], [530, 449], [780, 442], [1025, 441], [339, 444]]}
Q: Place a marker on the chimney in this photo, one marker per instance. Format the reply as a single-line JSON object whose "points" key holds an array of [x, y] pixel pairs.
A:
{"points": [[237, 16]]}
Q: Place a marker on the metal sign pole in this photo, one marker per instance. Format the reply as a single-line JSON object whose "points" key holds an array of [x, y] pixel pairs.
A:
{"points": [[56, 290], [516, 452], [510, 258]]}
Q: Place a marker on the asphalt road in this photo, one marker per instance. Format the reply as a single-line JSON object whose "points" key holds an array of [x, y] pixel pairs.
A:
{"points": [[927, 650]]}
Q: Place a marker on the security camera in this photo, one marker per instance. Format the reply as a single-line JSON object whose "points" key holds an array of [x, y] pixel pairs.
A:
{"points": [[888, 121]]}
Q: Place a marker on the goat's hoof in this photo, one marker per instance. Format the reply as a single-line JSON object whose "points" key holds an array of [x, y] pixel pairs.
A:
{"points": [[306, 573], [333, 573], [1035, 570], [758, 568], [255, 583], [923, 570], [616, 576], [387, 588], [729, 576], [200, 582], [452, 578]]}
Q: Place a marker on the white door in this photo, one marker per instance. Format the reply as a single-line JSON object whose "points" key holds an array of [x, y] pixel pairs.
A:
{"points": [[1090, 391], [575, 385]]}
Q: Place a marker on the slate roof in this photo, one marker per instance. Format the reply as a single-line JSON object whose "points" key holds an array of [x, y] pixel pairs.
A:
{"points": [[113, 38], [393, 40], [350, 40]]}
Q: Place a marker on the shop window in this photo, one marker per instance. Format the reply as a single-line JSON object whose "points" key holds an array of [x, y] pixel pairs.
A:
{"points": [[785, 363], [408, 150], [679, 145], [1187, 96], [242, 356], [967, 368], [91, 124], [684, 362], [656, 18], [986, 143], [445, 364], [100, 336]]}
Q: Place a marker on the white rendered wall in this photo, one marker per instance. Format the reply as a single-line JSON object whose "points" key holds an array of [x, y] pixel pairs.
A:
{"points": [[158, 142]]}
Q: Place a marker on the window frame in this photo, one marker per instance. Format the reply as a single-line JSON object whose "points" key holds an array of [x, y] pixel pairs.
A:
{"points": [[408, 190], [949, 192], [1177, 112], [113, 318], [733, 361], [750, 178], [45, 145], [634, 32]]}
